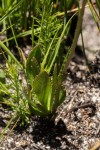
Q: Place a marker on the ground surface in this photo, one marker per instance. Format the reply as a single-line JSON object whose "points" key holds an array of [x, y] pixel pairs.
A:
{"points": [[77, 126]]}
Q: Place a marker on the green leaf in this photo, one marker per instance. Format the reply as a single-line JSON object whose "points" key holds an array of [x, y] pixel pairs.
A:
{"points": [[37, 109], [70, 4], [3, 88], [38, 55], [45, 59], [95, 14], [2, 76], [98, 4], [32, 69], [24, 34], [54, 84], [10, 54], [11, 11], [54, 54], [33, 52], [42, 89], [62, 95]]}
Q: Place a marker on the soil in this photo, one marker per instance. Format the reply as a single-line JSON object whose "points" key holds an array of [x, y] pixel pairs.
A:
{"points": [[77, 124]]}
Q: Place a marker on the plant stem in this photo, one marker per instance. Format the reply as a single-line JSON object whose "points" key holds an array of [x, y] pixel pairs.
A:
{"points": [[71, 50], [9, 53]]}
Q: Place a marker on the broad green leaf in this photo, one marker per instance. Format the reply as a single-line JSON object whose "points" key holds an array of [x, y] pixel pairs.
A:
{"points": [[38, 55], [62, 95], [59, 95], [32, 69], [42, 89], [56, 98], [54, 84], [33, 53], [37, 109]]}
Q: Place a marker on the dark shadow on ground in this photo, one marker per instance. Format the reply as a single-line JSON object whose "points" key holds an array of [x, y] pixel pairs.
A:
{"points": [[52, 135]]}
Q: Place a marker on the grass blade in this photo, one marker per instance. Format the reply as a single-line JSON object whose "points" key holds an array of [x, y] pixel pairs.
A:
{"points": [[9, 53]]}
